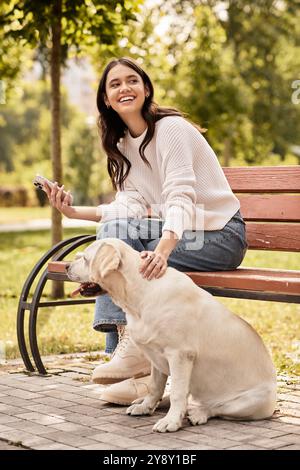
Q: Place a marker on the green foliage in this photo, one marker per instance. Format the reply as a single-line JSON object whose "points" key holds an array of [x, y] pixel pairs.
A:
{"points": [[85, 164], [262, 33], [25, 144], [229, 66], [84, 22]]}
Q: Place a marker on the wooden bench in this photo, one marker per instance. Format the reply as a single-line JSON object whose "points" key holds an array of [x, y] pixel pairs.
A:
{"points": [[270, 205]]}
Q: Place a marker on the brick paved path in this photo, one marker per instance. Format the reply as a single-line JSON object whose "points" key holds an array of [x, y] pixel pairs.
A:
{"points": [[64, 411]]}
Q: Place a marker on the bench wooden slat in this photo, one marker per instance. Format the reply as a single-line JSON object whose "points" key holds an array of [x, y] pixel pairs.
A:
{"points": [[272, 236], [283, 208], [265, 280], [253, 279], [258, 179], [57, 266]]}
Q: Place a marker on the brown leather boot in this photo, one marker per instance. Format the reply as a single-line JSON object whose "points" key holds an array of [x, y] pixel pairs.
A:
{"points": [[126, 361]]}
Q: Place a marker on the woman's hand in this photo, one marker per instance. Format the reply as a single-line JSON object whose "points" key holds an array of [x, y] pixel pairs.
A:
{"points": [[60, 199], [154, 265]]}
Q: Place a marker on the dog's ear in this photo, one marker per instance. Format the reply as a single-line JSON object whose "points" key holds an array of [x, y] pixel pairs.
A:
{"points": [[106, 259]]}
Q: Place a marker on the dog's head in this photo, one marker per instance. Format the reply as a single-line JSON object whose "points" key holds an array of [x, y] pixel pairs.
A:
{"points": [[96, 262]]}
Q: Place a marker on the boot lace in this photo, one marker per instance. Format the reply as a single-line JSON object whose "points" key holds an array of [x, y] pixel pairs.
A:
{"points": [[124, 339]]}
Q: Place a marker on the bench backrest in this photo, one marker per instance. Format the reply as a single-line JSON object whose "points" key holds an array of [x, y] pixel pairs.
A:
{"points": [[270, 205]]}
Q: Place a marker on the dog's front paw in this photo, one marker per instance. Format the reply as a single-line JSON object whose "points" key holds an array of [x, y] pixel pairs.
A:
{"points": [[167, 424], [137, 409], [197, 415]]}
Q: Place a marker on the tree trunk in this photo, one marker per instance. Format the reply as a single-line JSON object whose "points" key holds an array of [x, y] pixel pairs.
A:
{"points": [[57, 287]]}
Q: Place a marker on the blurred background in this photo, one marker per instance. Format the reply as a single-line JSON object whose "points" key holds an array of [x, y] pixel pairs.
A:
{"points": [[234, 68]]}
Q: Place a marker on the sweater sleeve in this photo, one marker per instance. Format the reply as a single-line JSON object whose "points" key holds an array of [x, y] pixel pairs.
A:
{"points": [[127, 203], [179, 180]]}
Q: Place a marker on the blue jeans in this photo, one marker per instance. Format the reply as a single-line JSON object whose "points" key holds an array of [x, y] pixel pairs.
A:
{"points": [[216, 250]]}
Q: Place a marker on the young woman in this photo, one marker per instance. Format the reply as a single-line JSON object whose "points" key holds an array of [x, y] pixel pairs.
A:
{"points": [[159, 164]]}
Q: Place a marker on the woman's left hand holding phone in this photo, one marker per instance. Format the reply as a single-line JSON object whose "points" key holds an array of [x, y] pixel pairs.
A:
{"points": [[60, 199]]}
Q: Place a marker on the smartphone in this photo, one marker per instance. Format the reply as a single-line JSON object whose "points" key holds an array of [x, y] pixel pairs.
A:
{"points": [[40, 181]]}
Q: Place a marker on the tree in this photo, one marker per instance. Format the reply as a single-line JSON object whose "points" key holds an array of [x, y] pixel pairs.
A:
{"points": [[58, 26], [230, 66], [264, 35]]}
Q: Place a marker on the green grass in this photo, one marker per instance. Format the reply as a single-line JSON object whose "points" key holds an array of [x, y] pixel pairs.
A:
{"points": [[68, 329], [60, 329]]}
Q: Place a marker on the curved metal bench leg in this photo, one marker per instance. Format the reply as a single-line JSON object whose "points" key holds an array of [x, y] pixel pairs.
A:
{"points": [[21, 338], [32, 324], [23, 305]]}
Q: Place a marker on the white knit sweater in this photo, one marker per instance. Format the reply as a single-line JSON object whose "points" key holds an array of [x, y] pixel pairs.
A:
{"points": [[186, 186]]}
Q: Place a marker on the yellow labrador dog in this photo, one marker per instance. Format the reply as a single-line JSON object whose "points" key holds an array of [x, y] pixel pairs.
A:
{"points": [[218, 364]]}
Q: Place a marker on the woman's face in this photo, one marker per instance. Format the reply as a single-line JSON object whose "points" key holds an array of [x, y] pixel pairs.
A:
{"points": [[125, 90]]}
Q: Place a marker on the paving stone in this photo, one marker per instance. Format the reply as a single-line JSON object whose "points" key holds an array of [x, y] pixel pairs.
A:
{"points": [[41, 418], [55, 446], [86, 410], [289, 420], [148, 447], [291, 438], [50, 410], [116, 440], [246, 447], [275, 443], [124, 431], [74, 428], [10, 410], [16, 401], [54, 402], [99, 446], [131, 421], [61, 395], [86, 420], [34, 441], [69, 438], [291, 447], [24, 394], [289, 397], [201, 447], [4, 428], [30, 427], [14, 435], [4, 419], [220, 443], [167, 441], [290, 428], [93, 402]]}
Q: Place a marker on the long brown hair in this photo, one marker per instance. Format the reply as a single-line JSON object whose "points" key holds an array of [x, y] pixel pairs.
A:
{"points": [[112, 127]]}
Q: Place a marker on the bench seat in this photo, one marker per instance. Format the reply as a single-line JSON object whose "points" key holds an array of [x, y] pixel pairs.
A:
{"points": [[250, 283]]}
